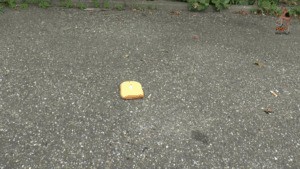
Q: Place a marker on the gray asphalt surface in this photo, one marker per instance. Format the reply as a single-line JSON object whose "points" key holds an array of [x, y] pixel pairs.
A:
{"points": [[60, 71]]}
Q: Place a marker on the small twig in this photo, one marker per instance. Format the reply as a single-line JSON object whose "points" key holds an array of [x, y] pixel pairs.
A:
{"points": [[274, 93]]}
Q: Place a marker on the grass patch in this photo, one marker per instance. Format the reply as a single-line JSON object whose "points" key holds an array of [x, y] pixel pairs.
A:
{"points": [[44, 4], [1, 8], [23, 5], [96, 3], [295, 11], [31, 1], [11, 3], [68, 4], [106, 4], [198, 5], [119, 7], [81, 5]]}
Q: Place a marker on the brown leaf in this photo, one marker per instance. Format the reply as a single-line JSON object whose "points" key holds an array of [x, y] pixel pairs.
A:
{"points": [[259, 63], [268, 110], [195, 37], [242, 12], [175, 12]]}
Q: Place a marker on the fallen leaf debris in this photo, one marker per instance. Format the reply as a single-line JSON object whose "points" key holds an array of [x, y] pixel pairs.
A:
{"points": [[175, 12], [242, 12], [268, 110], [259, 63], [195, 37]]}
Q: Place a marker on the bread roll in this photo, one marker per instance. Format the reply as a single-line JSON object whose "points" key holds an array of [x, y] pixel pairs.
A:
{"points": [[131, 90]]}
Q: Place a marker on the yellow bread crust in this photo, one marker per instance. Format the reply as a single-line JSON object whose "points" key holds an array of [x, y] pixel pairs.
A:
{"points": [[131, 90]]}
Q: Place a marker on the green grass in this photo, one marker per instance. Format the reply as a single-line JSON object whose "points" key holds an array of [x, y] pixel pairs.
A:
{"points": [[96, 3], [12, 3], [119, 7], [32, 1], [68, 4], [81, 5], [295, 10], [44, 4], [23, 5], [106, 4], [1, 8]]}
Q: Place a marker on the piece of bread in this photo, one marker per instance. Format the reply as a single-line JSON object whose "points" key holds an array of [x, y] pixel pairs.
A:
{"points": [[131, 90]]}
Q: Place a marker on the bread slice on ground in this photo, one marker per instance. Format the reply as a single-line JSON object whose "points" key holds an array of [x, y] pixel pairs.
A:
{"points": [[131, 90]]}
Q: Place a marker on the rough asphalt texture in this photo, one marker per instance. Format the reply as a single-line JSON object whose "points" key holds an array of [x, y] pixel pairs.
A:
{"points": [[60, 71]]}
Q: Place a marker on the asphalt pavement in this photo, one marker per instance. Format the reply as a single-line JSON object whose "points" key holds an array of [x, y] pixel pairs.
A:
{"points": [[222, 90]]}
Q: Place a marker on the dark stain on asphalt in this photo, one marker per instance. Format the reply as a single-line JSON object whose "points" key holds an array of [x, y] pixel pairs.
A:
{"points": [[3, 77], [199, 136], [144, 149]]}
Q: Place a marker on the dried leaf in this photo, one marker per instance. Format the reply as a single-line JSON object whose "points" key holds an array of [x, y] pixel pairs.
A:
{"points": [[242, 12], [195, 37], [268, 110], [259, 63], [175, 12]]}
